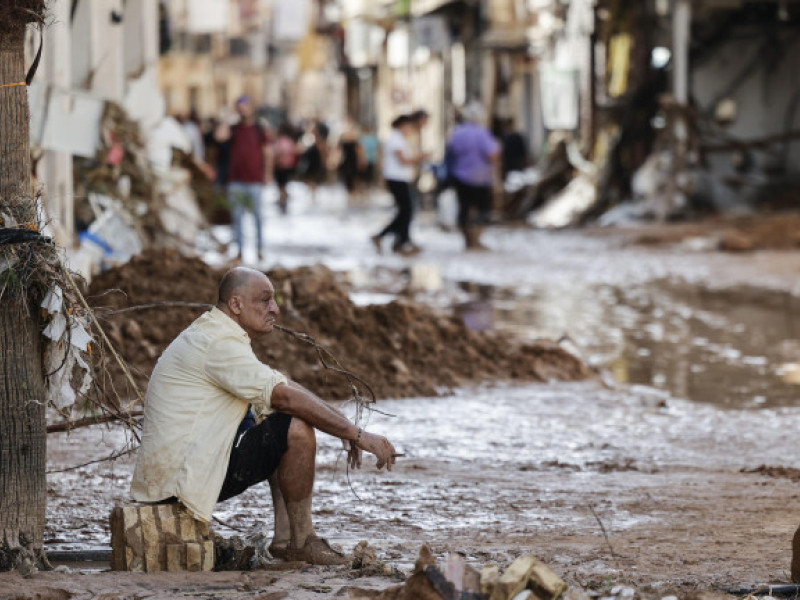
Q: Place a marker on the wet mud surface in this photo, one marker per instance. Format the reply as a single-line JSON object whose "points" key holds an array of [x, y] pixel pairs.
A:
{"points": [[498, 471], [682, 450]]}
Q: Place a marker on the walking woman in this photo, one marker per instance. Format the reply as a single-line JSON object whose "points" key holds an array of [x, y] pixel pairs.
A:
{"points": [[398, 172], [473, 152]]}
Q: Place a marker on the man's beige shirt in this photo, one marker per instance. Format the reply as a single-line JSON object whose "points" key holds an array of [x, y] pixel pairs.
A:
{"points": [[197, 396]]}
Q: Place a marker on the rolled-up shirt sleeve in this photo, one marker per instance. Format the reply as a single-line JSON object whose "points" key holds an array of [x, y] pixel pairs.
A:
{"points": [[231, 364]]}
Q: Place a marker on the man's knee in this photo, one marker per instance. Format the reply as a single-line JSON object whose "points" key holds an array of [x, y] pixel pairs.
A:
{"points": [[301, 434]]}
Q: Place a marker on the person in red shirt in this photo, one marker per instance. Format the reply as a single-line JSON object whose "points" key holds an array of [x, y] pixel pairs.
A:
{"points": [[249, 170]]}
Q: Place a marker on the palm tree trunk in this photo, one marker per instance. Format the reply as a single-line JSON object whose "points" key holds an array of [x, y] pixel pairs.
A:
{"points": [[23, 487]]}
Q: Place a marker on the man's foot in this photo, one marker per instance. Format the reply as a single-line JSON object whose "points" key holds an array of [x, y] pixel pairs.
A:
{"points": [[376, 241], [279, 550], [316, 551]]}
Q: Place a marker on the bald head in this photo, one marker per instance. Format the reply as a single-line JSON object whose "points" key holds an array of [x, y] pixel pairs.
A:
{"points": [[247, 297], [235, 282]]}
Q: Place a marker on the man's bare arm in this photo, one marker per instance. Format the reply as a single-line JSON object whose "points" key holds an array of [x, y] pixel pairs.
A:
{"points": [[293, 399]]}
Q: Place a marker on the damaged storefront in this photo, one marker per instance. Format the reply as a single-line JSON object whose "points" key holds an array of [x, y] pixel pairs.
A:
{"points": [[683, 108]]}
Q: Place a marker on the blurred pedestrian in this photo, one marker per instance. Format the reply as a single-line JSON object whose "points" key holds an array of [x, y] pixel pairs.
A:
{"points": [[350, 155], [312, 167], [399, 161], [222, 144], [472, 154], [286, 158], [250, 168], [515, 150]]}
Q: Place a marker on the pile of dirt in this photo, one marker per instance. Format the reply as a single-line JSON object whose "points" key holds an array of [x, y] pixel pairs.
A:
{"points": [[780, 231], [401, 349], [774, 232]]}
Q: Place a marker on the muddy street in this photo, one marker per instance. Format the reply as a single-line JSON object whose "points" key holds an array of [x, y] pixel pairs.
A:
{"points": [[695, 353]]}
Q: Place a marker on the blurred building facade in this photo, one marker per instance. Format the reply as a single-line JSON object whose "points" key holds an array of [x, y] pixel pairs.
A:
{"points": [[698, 95], [281, 53], [440, 54]]}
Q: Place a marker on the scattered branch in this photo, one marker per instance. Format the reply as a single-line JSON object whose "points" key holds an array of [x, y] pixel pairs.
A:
{"points": [[614, 555], [229, 526], [107, 312], [95, 420], [112, 456]]}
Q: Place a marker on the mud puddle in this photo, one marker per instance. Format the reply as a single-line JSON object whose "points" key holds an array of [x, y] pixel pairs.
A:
{"points": [[737, 347]]}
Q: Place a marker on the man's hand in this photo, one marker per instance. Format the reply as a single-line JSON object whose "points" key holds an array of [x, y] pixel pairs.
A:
{"points": [[293, 399], [377, 445], [353, 454]]}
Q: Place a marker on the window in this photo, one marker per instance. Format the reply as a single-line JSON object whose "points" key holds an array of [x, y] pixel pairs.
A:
{"points": [[202, 43], [239, 46]]}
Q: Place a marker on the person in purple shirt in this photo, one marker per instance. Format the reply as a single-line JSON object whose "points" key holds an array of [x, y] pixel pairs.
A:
{"points": [[472, 152]]}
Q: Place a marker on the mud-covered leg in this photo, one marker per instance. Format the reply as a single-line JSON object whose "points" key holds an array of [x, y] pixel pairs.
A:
{"points": [[281, 532], [296, 484]]}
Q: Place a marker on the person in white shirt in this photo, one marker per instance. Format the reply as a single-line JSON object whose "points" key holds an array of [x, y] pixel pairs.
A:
{"points": [[398, 172], [200, 442]]}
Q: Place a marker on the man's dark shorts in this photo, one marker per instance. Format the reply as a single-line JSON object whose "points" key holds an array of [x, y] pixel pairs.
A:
{"points": [[255, 454]]}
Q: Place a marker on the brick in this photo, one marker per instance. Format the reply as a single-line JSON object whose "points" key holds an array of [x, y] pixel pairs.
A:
{"points": [[489, 577], [795, 568], [528, 572], [188, 527], [168, 519], [208, 555], [159, 537], [515, 578], [126, 539], [151, 537], [176, 557], [194, 558], [545, 583], [202, 529], [118, 552]]}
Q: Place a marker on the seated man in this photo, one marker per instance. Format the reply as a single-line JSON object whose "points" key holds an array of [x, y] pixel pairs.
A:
{"points": [[200, 443]]}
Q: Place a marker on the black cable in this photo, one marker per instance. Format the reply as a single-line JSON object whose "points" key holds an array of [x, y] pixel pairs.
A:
{"points": [[10, 235]]}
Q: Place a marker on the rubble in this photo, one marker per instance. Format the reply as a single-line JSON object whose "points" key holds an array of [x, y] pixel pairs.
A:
{"points": [[233, 554], [527, 578], [568, 206], [141, 187]]}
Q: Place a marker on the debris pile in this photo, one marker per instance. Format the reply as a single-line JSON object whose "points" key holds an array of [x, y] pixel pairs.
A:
{"points": [[131, 193], [527, 578], [402, 349], [120, 170]]}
